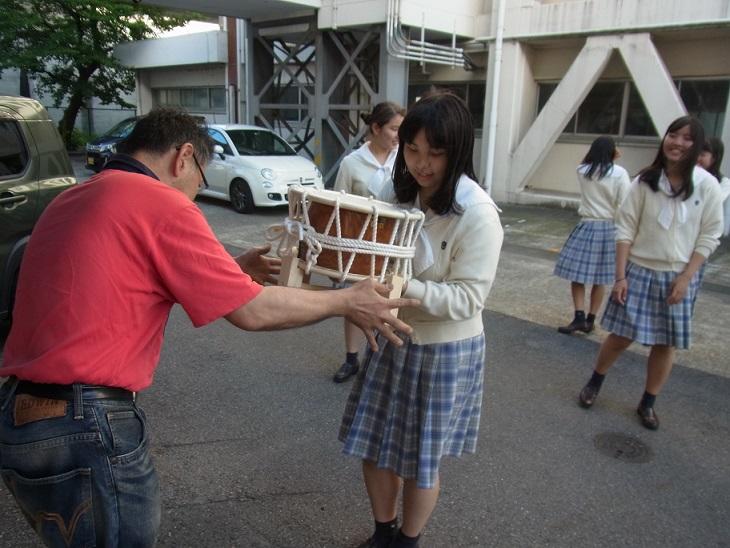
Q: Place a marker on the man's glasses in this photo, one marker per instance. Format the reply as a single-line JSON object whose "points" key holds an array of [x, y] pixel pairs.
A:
{"points": [[200, 169], [202, 173]]}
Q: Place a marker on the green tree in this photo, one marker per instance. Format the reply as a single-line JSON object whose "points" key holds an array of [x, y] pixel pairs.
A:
{"points": [[67, 47]]}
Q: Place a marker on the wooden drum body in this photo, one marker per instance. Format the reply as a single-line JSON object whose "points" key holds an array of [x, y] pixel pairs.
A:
{"points": [[347, 237]]}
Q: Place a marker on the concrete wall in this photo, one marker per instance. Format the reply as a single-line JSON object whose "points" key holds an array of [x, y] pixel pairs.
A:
{"points": [[686, 55], [460, 16], [190, 49]]}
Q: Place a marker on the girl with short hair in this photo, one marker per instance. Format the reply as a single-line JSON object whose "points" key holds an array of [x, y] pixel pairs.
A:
{"points": [[414, 404]]}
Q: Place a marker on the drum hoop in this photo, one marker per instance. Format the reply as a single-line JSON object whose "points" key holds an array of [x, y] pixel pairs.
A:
{"points": [[351, 202]]}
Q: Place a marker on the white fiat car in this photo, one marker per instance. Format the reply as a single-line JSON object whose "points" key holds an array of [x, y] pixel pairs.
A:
{"points": [[256, 168]]}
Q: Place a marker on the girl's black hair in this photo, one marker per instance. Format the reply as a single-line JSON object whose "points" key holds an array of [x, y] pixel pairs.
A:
{"points": [[714, 146], [382, 114], [448, 125], [651, 174], [599, 158]]}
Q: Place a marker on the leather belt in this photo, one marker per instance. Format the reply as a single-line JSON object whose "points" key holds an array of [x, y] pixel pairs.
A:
{"points": [[66, 391]]}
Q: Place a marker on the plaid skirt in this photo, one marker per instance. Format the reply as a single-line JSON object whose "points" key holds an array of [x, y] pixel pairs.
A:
{"points": [[413, 404], [646, 317], [589, 254]]}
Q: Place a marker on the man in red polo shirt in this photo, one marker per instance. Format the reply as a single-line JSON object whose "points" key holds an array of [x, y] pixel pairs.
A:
{"points": [[106, 262]]}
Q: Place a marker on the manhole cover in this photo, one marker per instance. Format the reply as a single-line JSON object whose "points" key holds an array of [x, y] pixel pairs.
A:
{"points": [[622, 447]]}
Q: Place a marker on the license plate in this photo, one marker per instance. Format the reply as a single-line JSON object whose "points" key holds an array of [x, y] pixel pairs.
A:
{"points": [[90, 161]]}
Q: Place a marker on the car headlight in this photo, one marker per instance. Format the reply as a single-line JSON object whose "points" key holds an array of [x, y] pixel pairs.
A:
{"points": [[269, 174]]}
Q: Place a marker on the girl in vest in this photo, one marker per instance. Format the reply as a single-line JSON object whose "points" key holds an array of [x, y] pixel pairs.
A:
{"points": [[364, 172], [411, 405], [668, 226], [589, 254]]}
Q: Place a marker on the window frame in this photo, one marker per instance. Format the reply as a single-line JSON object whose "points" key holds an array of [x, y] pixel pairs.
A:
{"points": [[575, 136], [180, 92]]}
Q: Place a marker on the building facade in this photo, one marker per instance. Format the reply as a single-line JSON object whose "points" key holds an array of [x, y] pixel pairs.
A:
{"points": [[542, 78]]}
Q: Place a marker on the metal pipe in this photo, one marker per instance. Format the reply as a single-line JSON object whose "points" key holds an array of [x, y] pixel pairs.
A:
{"points": [[401, 47], [492, 133]]}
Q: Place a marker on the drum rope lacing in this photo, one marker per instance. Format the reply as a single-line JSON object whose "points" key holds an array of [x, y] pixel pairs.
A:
{"points": [[292, 231]]}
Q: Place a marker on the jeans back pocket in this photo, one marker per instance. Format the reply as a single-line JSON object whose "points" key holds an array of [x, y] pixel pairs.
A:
{"points": [[59, 508]]}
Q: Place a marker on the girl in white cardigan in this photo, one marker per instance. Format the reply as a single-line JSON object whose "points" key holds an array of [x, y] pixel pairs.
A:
{"points": [[589, 254], [411, 405], [667, 227], [364, 172]]}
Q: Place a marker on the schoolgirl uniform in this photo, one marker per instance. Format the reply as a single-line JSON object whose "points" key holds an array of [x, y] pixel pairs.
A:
{"points": [[664, 231], [589, 254], [413, 404], [360, 172]]}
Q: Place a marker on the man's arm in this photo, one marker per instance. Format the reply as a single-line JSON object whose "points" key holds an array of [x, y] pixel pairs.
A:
{"points": [[364, 304]]}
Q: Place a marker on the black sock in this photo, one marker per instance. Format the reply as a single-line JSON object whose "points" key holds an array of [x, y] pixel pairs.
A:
{"points": [[647, 400], [404, 541], [385, 529], [351, 358], [596, 380], [591, 318]]}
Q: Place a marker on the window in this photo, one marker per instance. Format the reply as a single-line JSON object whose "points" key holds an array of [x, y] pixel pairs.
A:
{"points": [[472, 92], [706, 100], [219, 139], [13, 154], [616, 108], [198, 99]]}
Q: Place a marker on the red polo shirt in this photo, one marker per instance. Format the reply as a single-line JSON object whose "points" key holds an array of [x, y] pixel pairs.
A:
{"points": [[106, 262]]}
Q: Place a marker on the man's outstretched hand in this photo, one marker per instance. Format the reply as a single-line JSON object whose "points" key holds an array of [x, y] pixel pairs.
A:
{"points": [[262, 268], [369, 308]]}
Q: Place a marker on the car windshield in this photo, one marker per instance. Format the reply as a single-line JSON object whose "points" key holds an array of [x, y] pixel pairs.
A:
{"points": [[252, 142], [122, 129]]}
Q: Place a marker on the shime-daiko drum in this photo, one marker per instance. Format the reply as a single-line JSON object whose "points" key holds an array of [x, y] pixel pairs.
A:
{"points": [[346, 237]]}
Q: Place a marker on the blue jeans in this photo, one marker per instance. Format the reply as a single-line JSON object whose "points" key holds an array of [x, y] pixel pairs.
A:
{"points": [[85, 478]]}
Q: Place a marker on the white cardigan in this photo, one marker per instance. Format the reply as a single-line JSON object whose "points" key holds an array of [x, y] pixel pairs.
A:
{"points": [[694, 228], [601, 198], [453, 290]]}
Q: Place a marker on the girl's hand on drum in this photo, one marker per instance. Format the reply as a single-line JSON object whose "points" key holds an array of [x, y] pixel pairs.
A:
{"points": [[370, 309], [259, 266]]}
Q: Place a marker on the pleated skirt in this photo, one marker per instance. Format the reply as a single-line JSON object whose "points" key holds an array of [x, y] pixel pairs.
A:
{"points": [[411, 405], [589, 254], [646, 317]]}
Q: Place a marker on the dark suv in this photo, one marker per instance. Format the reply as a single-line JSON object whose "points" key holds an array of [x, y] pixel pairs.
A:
{"points": [[99, 150], [34, 168]]}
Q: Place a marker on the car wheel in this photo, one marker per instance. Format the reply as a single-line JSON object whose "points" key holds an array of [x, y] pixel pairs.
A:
{"points": [[241, 197]]}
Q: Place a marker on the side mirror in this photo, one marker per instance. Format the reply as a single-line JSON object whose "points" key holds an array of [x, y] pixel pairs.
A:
{"points": [[217, 149]]}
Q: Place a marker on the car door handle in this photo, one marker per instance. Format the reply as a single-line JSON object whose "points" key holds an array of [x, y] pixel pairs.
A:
{"points": [[8, 199]]}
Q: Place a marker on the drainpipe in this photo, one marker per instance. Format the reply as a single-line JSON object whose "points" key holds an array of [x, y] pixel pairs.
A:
{"points": [[492, 131]]}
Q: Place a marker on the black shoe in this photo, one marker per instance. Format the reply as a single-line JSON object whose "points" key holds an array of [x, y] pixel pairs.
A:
{"points": [[648, 417], [377, 542], [588, 395], [575, 325], [590, 326], [346, 371]]}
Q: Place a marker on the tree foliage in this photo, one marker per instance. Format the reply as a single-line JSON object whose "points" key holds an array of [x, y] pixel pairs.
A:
{"points": [[67, 47]]}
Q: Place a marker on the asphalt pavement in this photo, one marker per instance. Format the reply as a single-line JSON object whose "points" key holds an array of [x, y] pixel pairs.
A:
{"points": [[244, 426]]}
